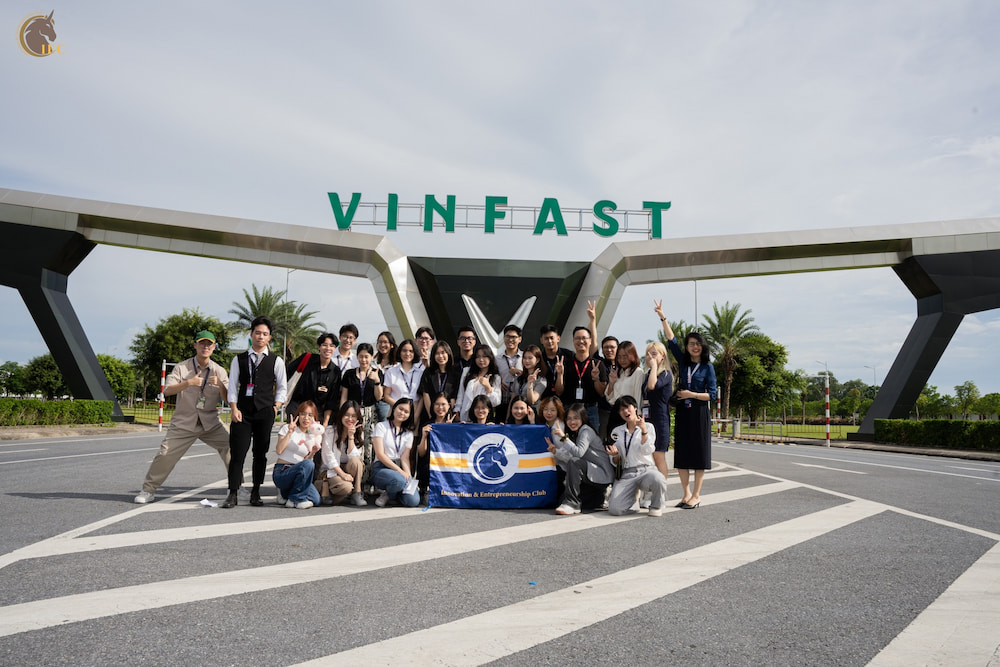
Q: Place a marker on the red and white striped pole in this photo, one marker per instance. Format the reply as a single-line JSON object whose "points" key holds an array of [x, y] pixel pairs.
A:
{"points": [[163, 385], [718, 415], [827, 392]]}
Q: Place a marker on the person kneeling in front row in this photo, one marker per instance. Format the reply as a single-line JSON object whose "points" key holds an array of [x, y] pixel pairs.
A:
{"points": [[393, 440], [580, 453], [632, 450], [298, 440]]}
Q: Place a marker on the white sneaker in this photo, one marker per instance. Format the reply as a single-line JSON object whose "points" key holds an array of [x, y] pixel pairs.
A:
{"points": [[304, 505], [143, 498], [279, 499], [244, 494], [382, 500], [358, 500], [645, 500], [655, 511], [566, 510], [288, 503]]}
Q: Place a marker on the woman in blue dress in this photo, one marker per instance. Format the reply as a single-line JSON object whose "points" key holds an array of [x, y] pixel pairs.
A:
{"points": [[696, 391], [659, 385]]}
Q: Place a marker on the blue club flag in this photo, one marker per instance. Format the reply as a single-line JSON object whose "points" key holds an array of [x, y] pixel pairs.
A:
{"points": [[491, 467]]}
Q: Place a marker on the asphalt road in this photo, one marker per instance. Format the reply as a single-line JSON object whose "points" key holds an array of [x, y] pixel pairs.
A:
{"points": [[798, 555]]}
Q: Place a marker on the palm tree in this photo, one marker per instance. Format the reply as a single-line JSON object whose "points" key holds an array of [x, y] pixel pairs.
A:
{"points": [[727, 330], [294, 328], [299, 332]]}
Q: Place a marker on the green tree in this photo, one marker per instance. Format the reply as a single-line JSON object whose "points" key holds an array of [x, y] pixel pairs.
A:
{"points": [[12, 379], [844, 390], [850, 404], [726, 330], [120, 375], [299, 331], [988, 405], [680, 328], [816, 387], [42, 376], [931, 404], [762, 383], [294, 332], [966, 394], [172, 339]]}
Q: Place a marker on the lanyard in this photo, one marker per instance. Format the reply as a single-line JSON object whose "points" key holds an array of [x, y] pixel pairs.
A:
{"points": [[579, 373], [395, 437], [691, 372], [408, 379], [442, 379], [208, 369], [628, 442], [341, 361], [552, 364]]}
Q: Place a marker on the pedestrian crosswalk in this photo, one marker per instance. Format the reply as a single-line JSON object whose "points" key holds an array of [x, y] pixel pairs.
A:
{"points": [[468, 587]]}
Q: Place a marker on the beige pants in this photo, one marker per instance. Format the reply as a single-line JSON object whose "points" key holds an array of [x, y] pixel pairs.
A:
{"points": [[340, 488], [175, 444]]}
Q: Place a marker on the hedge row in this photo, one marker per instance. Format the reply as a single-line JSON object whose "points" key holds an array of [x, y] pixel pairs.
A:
{"points": [[940, 433], [33, 412]]}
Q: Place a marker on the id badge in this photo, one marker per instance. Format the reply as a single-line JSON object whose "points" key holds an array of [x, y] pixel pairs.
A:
{"points": [[201, 402], [645, 412], [249, 390], [579, 393]]}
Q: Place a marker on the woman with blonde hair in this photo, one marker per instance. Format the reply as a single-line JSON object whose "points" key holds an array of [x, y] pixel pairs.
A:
{"points": [[659, 386]]}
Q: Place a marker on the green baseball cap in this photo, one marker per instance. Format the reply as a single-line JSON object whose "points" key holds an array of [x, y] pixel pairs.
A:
{"points": [[204, 335]]}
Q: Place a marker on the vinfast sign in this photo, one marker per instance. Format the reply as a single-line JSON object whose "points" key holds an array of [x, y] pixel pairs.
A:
{"points": [[604, 218]]}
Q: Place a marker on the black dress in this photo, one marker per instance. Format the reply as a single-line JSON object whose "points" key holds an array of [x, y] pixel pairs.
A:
{"points": [[693, 418], [659, 408]]}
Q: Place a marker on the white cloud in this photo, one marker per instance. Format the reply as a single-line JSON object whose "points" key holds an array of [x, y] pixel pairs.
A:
{"points": [[748, 115]]}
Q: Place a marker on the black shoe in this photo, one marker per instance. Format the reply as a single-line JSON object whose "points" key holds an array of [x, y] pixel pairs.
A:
{"points": [[230, 501], [681, 504], [255, 499], [687, 506]]}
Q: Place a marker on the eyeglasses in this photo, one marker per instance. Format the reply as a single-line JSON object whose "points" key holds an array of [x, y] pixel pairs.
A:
{"points": [[466, 338]]}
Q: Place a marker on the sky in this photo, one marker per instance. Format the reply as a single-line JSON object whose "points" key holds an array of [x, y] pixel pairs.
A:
{"points": [[748, 116]]}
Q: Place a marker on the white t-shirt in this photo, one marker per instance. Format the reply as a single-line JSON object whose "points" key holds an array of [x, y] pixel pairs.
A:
{"points": [[394, 443], [404, 384], [630, 445], [297, 448]]}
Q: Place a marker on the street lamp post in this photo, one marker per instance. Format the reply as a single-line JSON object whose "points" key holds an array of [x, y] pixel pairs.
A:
{"points": [[874, 381], [826, 391]]}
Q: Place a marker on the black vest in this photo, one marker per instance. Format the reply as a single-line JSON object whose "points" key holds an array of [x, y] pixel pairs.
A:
{"points": [[263, 384]]}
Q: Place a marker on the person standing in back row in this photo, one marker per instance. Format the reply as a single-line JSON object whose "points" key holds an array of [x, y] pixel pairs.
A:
{"points": [[696, 390], [257, 390]]}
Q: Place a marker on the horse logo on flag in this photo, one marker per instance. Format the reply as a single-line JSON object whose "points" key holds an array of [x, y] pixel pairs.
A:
{"points": [[494, 458]]}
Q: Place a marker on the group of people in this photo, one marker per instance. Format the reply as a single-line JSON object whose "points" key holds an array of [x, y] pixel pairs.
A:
{"points": [[360, 415]]}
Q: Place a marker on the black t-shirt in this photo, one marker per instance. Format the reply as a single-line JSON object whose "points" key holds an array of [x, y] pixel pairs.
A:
{"points": [[576, 374], [433, 382], [363, 393]]}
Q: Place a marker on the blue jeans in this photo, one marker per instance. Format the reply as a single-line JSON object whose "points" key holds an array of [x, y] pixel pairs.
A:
{"points": [[393, 482], [296, 481]]}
